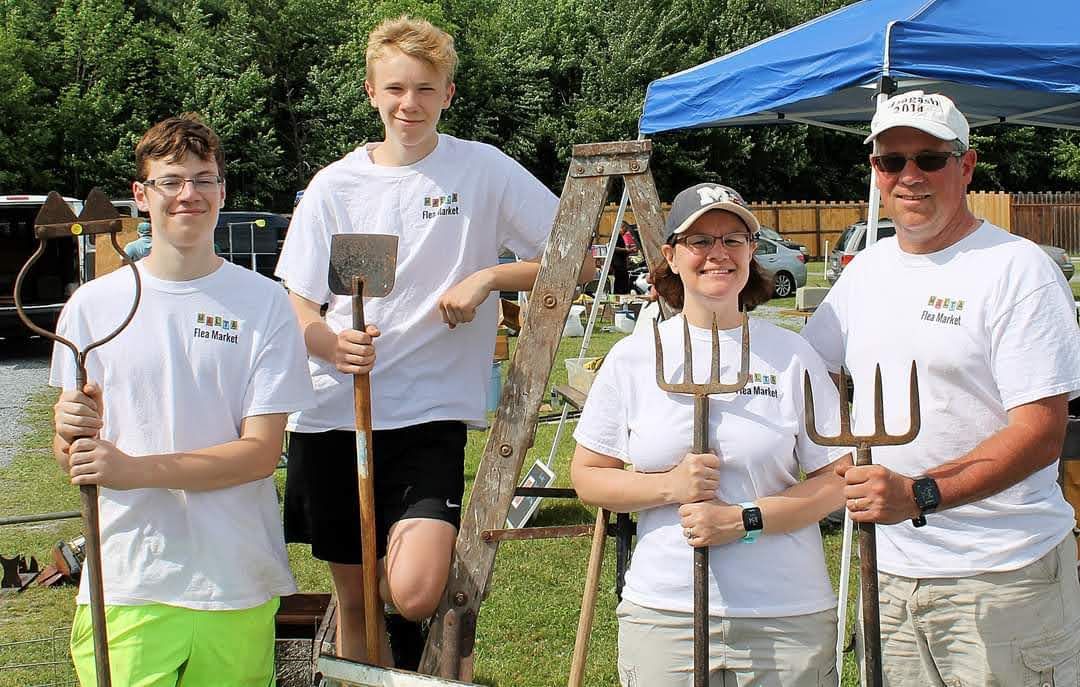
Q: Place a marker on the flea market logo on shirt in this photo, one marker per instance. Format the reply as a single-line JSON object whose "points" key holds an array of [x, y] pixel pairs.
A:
{"points": [[760, 385], [434, 206], [942, 310], [217, 328]]}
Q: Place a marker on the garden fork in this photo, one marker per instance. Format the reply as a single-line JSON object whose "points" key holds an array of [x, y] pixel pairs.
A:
{"points": [[868, 577], [701, 393], [56, 220]]}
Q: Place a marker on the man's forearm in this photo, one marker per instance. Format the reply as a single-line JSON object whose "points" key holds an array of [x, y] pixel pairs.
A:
{"points": [[1030, 442]]}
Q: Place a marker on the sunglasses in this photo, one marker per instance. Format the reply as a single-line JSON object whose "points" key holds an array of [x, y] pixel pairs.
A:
{"points": [[894, 163]]}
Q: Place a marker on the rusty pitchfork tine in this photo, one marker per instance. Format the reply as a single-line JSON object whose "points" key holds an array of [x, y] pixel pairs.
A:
{"points": [[688, 386], [867, 532], [55, 220], [701, 393]]}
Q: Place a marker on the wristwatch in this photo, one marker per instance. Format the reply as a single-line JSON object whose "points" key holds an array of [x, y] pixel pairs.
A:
{"points": [[752, 522], [927, 498]]}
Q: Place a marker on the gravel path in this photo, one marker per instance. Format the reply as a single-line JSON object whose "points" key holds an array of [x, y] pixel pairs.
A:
{"points": [[24, 370]]}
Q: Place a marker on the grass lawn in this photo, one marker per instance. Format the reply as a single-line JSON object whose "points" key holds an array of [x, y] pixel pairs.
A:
{"points": [[526, 628]]}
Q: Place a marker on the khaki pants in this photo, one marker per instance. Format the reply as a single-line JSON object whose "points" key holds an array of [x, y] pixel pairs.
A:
{"points": [[1005, 629], [656, 649]]}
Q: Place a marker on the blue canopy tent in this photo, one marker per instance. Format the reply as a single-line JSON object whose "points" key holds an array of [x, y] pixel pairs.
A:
{"points": [[999, 60]]}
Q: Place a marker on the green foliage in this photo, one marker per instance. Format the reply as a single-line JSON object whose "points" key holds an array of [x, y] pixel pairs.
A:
{"points": [[282, 83]]}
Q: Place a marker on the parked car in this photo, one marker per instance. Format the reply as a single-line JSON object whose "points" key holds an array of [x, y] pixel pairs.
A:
{"points": [[786, 265], [774, 235], [63, 266], [1061, 259], [250, 239], [853, 240]]}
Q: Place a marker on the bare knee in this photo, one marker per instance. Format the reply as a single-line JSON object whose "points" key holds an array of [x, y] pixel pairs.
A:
{"points": [[414, 598]]}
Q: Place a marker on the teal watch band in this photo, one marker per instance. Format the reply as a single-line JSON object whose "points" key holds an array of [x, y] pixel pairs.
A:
{"points": [[752, 522]]}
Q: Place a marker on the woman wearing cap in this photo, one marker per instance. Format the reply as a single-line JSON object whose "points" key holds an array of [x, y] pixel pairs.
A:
{"points": [[771, 606]]}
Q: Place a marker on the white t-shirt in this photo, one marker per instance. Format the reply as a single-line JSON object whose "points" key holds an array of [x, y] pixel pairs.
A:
{"points": [[453, 212], [989, 322], [758, 434], [198, 357]]}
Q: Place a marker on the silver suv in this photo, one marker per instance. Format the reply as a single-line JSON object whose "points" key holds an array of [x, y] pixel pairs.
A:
{"points": [[851, 241]]}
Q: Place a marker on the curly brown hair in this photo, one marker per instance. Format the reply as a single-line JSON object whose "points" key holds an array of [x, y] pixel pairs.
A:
{"points": [[669, 286]]}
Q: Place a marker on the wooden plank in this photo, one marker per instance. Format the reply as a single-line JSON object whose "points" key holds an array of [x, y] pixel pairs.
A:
{"points": [[571, 395], [512, 432]]}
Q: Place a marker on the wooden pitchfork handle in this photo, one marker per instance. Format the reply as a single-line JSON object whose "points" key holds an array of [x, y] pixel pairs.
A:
{"points": [[588, 600], [868, 582], [365, 477], [701, 561], [88, 493]]}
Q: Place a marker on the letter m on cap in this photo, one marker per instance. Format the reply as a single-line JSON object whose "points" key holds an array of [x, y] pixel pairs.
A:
{"points": [[714, 194]]}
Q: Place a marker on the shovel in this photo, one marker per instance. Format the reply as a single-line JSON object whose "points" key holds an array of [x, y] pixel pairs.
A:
{"points": [[363, 265]]}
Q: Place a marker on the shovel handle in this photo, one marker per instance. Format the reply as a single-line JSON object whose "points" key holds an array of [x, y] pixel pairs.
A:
{"points": [[365, 479]]}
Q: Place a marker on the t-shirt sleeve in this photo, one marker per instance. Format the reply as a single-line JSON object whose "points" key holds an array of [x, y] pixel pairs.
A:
{"points": [[1035, 347], [279, 381], [603, 424], [826, 329], [812, 456], [304, 262], [526, 211]]}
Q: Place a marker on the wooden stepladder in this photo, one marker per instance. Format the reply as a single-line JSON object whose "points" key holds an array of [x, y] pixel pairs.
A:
{"points": [[585, 192], [449, 650]]}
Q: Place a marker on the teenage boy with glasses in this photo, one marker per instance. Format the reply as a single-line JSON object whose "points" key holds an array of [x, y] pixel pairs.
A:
{"points": [[977, 563], [181, 426]]}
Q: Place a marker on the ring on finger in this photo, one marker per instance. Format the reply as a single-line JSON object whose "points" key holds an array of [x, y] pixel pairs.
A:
{"points": [[688, 532]]}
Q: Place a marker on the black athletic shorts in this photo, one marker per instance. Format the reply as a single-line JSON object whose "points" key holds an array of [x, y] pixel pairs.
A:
{"points": [[419, 473]]}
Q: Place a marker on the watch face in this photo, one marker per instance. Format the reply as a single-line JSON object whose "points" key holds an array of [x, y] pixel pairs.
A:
{"points": [[926, 493], [752, 519]]}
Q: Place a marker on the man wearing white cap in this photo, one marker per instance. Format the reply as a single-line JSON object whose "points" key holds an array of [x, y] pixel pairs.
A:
{"points": [[977, 578]]}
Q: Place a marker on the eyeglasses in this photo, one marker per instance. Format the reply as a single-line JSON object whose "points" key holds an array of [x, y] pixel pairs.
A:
{"points": [[703, 243], [171, 187], [894, 163]]}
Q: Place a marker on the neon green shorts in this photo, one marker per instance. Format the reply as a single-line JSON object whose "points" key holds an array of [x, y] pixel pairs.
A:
{"points": [[157, 646]]}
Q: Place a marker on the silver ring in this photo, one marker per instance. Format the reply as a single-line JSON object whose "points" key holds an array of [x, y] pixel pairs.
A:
{"points": [[688, 532]]}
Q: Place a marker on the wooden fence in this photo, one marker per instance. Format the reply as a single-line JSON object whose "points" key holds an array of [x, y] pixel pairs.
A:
{"points": [[1052, 218], [818, 224]]}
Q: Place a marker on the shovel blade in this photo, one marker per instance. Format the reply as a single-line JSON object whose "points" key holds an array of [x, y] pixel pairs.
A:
{"points": [[372, 257]]}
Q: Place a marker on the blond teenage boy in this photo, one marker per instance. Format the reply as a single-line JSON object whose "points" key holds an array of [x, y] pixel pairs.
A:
{"points": [[181, 426], [454, 204]]}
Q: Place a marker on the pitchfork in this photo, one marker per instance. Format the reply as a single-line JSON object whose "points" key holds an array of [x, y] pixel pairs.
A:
{"points": [[868, 577], [56, 220], [701, 393]]}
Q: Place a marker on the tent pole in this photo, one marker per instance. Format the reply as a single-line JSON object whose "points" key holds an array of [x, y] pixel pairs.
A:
{"points": [[886, 87]]}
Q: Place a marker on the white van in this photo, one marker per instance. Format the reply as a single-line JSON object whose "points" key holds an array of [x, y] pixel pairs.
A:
{"points": [[64, 265]]}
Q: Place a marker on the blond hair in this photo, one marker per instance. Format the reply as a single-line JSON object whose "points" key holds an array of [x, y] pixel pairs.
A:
{"points": [[417, 38]]}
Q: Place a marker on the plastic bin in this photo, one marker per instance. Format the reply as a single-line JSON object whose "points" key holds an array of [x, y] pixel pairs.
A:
{"points": [[578, 376]]}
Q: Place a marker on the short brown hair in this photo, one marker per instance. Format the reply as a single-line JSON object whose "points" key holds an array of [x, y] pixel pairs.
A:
{"points": [[173, 138], [417, 38], [758, 289]]}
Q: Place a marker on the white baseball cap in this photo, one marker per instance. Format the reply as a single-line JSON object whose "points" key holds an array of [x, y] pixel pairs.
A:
{"points": [[930, 112]]}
